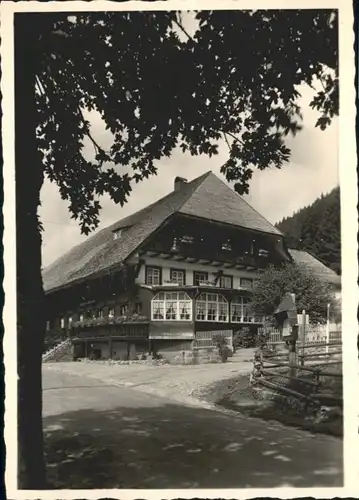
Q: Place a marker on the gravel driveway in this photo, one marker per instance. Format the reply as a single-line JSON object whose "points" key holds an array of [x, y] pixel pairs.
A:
{"points": [[175, 382]]}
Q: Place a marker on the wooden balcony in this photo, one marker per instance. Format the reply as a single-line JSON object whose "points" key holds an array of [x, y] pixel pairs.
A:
{"points": [[124, 331], [93, 323]]}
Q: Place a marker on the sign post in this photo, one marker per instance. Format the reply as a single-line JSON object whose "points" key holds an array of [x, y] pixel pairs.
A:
{"points": [[286, 316], [302, 335]]}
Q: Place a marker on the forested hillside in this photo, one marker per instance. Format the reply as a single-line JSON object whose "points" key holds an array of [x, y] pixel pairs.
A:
{"points": [[316, 229]]}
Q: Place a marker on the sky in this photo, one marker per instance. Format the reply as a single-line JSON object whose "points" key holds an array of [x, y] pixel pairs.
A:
{"points": [[311, 171]]}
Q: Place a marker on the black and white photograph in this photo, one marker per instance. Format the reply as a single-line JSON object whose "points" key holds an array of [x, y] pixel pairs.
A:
{"points": [[180, 249]]}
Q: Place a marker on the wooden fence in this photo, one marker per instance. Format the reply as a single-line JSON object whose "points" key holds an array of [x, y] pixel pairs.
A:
{"points": [[270, 369], [313, 334], [205, 338]]}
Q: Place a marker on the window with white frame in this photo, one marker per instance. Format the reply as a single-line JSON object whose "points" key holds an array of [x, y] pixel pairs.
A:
{"points": [[153, 275], [212, 307], [199, 276], [240, 310], [225, 282], [171, 306], [178, 276]]}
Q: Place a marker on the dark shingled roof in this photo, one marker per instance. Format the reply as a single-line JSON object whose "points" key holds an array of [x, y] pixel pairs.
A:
{"points": [[206, 196], [302, 257]]}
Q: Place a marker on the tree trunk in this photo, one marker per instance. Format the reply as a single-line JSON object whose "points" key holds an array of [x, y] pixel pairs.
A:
{"points": [[30, 294]]}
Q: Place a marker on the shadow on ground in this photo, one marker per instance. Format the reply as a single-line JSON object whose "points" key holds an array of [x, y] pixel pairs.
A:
{"points": [[171, 446]]}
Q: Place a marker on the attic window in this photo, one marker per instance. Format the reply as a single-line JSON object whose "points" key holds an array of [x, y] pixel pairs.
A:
{"points": [[117, 234], [227, 246], [187, 239], [262, 252]]}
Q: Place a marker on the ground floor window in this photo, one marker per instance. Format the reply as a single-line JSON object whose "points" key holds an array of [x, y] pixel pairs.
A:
{"points": [[171, 306], [212, 307], [240, 310]]}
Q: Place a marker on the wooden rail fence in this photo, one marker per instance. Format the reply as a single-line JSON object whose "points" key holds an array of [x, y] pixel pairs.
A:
{"points": [[269, 366]]}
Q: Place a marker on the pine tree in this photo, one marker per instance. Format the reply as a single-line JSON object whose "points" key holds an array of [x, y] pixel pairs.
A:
{"points": [[316, 229]]}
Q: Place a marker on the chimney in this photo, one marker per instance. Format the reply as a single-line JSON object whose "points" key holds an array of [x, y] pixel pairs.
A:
{"points": [[179, 182]]}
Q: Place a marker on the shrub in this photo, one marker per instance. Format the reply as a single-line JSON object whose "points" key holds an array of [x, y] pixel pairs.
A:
{"points": [[220, 341], [244, 338]]}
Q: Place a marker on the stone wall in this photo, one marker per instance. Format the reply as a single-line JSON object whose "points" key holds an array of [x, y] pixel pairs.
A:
{"points": [[197, 356]]}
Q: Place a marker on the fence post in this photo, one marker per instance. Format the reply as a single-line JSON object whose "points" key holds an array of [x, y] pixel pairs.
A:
{"points": [[302, 336], [327, 331], [257, 368], [292, 359]]}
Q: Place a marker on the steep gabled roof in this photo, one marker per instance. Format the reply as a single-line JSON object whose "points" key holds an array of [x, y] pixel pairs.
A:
{"points": [[317, 267], [215, 200], [206, 197]]}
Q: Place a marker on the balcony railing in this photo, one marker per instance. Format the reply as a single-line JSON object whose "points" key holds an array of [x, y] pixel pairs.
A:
{"points": [[249, 319], [197, 251], [109, 321]]}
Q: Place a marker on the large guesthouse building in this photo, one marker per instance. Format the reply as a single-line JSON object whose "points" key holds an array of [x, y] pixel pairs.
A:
{"points": [[166, 278]]}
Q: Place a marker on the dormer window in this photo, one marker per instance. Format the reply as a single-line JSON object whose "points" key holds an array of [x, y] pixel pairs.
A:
{"points": [[117, 234]]}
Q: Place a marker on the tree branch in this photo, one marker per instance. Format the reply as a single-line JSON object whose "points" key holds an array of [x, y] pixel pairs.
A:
{"points": [[97, 147], [40, 85], [225, 138], [233, 136], [183, 30]]}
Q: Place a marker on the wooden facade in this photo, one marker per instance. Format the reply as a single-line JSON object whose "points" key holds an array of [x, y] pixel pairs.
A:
{"points": [[191, 278]]}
